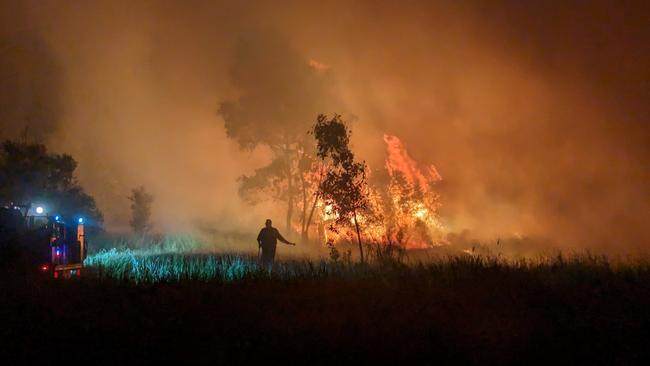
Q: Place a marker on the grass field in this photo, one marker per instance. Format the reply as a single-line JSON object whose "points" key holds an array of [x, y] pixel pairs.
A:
{"points": [[211, 308]]}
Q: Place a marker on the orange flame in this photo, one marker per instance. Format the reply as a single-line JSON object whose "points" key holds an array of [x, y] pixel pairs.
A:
{"points": [[414, 212], [407, 204], [400, 160]]}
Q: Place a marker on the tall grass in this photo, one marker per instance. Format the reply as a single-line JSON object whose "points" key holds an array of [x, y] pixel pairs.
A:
{"points": [[151, 268], [159, 265], [149, 244]]}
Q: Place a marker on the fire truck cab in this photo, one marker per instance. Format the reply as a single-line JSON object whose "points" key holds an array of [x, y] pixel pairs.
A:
{"points": [[53, 245], [68, 248]]}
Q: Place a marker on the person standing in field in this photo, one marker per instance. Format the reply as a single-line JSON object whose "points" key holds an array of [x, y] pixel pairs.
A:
{"points": [[268, 240]]}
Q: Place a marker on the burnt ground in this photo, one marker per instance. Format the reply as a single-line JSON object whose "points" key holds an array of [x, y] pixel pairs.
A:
{"points": [[474, 317]]}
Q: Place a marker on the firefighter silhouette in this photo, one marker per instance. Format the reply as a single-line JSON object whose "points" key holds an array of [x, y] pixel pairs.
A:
{"points": [[268, 240]]}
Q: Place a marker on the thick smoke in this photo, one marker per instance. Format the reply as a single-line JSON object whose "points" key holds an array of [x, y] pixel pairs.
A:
{"points": [[30, 79], [535, 114], [278, 92]]}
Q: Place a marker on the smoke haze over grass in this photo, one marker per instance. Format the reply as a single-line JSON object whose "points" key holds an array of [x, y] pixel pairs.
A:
{"points": [[535, 114]]}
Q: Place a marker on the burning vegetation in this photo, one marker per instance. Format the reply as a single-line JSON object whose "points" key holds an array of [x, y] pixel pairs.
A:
{"points": [[408, 200], [339, 199], [402, 204]]}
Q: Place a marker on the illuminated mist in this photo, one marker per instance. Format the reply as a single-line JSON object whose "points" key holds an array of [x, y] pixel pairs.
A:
{"points": [[536, 115]]}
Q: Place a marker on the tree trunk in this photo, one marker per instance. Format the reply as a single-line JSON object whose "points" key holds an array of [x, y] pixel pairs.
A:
{"points": [[321, 234], [289, 204], [356, 224], [305, 228], [316, 196], [311, 212]]}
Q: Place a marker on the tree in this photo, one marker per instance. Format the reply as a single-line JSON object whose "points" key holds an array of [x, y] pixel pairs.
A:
{"points": [[29, 174], [278, 94], [141, 202], [344, 186]]}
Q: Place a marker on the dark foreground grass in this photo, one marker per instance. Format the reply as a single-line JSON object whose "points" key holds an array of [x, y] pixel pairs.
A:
{"points": [[203, 309]]}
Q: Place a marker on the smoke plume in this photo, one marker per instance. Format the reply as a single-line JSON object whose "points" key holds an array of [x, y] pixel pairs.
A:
{"points": [[535, 114]]}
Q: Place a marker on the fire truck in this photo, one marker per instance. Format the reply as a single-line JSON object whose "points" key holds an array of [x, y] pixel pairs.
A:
{"points": [[50, 244]]}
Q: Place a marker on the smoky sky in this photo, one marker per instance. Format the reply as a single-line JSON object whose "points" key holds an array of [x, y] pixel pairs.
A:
{"points": [[534, 113], [30, 80]]}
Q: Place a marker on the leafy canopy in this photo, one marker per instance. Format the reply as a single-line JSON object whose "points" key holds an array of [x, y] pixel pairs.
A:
{"points": [[31, 175], [344, 186]]}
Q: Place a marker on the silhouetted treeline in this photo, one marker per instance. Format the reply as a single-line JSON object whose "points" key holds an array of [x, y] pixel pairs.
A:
{"points": [[30, 175]]}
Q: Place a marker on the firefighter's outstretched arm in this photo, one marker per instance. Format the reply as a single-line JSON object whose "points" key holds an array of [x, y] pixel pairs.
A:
{"points": [[282, 239]]}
